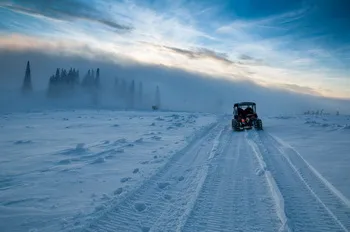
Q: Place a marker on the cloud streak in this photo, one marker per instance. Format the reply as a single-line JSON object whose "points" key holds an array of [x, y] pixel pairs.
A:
{"points": [[67, 16], [202, 53]]}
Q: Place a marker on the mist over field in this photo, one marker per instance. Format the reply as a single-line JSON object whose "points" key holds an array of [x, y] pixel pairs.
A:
{"points": [[180, 90]]}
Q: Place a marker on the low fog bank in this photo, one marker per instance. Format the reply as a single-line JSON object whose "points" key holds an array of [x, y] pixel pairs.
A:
{"points": [[179, 90]]}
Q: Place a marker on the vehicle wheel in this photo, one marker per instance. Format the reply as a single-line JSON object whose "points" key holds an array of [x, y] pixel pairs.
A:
{"points": [[258, 124], [235, 125]]}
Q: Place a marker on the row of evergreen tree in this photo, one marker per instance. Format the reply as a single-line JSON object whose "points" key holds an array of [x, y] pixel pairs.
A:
{"points": [[63, 81], [63, 77], [91, 80], [129, 93]]}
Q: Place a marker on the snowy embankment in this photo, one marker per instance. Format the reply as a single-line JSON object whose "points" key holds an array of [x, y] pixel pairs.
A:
{"points": [[58, 166], [323, 141]]}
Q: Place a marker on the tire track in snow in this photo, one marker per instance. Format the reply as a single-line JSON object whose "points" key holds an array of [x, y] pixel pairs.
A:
{"points": [[332, 200], [333, 189], [159, 204], [215, 151], [276, 194], [309, 204], [234, 197]]}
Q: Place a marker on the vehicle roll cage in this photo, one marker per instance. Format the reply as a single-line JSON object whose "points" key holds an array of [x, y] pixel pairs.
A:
{"points": [[251, 104]]}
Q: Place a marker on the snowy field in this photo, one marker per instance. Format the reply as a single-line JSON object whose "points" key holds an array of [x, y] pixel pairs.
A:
{"points": [[55, 166], [165, 171]]}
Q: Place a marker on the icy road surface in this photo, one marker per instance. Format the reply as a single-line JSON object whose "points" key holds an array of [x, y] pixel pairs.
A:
{"points": [[128, 171]]}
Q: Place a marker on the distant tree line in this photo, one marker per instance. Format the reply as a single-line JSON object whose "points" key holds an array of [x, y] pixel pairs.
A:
{"points": [[64, 83], [91, 79], [128, 93], [132, 94]]}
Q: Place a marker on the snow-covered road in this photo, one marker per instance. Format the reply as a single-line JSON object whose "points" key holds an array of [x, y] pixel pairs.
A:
{"points": [[219, 180], [228, 181], [235, 195]]}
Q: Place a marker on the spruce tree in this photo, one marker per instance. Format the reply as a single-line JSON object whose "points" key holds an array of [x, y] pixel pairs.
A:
{"points": [[157, 98], [77, 77], [27, 82], [116, 86], [70, 76], [140, 93], [97, 79], [57, 76], [123, 90], [63, 76], [132, 94]]}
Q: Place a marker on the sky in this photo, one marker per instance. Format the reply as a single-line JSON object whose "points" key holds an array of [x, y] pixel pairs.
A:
{"points": [[297, 45]]}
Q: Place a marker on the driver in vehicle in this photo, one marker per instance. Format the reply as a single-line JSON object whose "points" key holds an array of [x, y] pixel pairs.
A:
{"points": [[241, 112], [248, 111]]}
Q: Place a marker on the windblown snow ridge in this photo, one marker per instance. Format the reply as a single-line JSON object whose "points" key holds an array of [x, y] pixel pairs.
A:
{"points": [[275, 191], [215, 147]]}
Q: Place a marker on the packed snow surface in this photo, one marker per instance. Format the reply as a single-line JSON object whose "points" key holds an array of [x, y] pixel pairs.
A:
{"points": [[166, 171]]}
